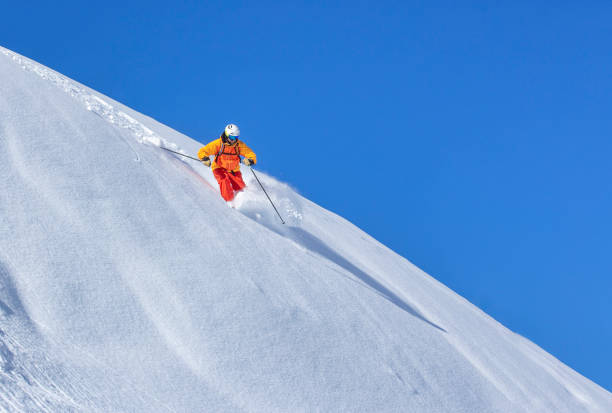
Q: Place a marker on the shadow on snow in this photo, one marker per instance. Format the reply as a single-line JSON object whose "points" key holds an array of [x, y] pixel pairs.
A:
{"points": [[311, 242], [316, 245]]}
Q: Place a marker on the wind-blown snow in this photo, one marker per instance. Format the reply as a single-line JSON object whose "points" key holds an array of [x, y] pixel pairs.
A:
{"points": [[127, 284]]}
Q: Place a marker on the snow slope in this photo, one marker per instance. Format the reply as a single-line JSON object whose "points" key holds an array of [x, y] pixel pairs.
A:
{"points": [[128, 285]]}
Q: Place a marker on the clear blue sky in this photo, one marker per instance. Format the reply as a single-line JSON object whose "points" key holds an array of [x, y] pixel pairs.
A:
{"points": [[473, 140]]}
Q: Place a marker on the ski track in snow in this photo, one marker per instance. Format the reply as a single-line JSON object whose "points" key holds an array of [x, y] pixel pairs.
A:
{"points": [[93, 103], [250, 204]]}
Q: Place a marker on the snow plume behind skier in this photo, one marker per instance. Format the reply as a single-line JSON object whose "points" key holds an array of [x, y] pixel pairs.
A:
{"points": [[227, 150]]}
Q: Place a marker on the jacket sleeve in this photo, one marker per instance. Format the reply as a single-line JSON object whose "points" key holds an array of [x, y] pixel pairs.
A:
{"points": [[210, 149], [247, 152]]}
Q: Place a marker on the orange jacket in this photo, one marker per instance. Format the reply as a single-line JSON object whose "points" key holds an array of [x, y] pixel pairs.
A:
{"points": [[229, 159]]}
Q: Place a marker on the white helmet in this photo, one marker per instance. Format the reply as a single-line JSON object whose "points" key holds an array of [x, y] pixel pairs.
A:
{"points": [[232, 132]]}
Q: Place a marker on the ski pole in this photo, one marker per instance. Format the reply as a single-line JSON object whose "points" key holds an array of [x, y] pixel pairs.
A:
{"points": [[279, 215], [178, 153], [253, 171]]}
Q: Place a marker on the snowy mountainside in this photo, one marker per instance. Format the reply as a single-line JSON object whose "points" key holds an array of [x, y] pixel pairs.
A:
{"points": [[127, 284]]}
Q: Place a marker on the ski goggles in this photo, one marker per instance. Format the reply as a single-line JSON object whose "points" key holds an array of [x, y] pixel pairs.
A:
{"points": [[232, 138]]}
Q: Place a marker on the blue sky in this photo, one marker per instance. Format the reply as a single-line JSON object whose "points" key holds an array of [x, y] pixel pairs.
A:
{"points": [[473, 140]]}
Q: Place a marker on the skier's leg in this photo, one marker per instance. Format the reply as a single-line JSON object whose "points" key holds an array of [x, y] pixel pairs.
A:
{"points": [[237, 182], [225, 184]]}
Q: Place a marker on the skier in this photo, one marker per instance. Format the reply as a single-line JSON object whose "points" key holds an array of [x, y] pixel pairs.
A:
{"points": [[227, 150]]}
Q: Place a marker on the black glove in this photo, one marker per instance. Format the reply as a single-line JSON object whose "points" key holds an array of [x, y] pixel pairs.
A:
{"points": [[248, 162], [206, 161]]}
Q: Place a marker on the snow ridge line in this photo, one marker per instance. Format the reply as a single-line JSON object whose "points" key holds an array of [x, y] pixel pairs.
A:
{"points": [[117, 117], [92, 102]]}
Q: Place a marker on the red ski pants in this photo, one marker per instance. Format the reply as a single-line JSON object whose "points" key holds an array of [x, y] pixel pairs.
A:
{"points": [[228, 182]]}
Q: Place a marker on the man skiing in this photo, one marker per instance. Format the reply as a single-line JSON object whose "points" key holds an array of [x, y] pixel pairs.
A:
{"points": [[227, 150]]}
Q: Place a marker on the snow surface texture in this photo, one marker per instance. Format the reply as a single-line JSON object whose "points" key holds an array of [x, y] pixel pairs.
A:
{"points": [[128, 285]]}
